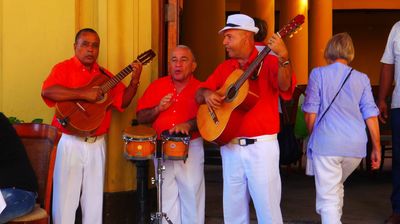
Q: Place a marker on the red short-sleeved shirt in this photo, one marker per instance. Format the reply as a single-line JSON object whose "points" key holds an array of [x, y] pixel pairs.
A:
{"points": [[183, 108], [72, 73], [263, 117]]}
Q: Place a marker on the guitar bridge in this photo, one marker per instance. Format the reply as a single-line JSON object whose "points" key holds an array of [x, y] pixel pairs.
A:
{"points": [[213, 115]]}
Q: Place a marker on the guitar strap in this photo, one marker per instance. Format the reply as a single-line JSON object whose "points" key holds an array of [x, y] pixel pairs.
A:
{"points": [[103, 72], [255, 74], [334, 98]]}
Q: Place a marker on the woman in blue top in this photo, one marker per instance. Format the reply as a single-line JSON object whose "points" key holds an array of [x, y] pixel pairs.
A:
{"points": [[338, 138]]}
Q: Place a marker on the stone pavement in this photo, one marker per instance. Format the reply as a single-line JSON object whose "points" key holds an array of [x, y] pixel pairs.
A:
{"points": [[366, 197]]}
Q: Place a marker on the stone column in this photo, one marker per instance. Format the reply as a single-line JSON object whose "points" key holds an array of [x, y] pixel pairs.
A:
{"points": [[320, 31], [298, 45]]}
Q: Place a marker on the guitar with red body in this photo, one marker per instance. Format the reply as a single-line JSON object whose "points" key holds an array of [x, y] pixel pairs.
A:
{"points": [[219, 125], [82, 117]]}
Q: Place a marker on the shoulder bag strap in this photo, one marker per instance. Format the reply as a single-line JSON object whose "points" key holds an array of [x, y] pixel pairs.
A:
{"points": [[347, 77]]}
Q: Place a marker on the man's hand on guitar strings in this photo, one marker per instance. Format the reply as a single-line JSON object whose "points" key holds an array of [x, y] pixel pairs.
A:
{"points": [[92, 94], [213, 99]]}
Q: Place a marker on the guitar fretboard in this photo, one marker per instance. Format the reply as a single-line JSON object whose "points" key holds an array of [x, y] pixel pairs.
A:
{"points": [[116, 79], [252, 67]]}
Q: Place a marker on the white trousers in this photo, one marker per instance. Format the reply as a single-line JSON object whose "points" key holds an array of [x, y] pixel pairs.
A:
{"points": [[183, 188], [78, 177], [330, 174], [251, 170]]}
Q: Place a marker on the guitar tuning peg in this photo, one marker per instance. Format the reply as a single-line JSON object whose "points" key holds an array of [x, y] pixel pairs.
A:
{"points": [[300, 28], [291, 35], [295, 32]]}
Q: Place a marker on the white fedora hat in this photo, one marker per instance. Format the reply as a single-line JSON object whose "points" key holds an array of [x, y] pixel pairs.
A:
{"points": [[240, 22]]}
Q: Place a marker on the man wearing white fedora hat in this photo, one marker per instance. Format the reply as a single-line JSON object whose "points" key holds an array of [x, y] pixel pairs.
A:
{"points": [[250, 159]]}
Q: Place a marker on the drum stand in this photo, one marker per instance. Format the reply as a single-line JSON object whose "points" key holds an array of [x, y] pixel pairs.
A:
{"points": [[156, 217]]}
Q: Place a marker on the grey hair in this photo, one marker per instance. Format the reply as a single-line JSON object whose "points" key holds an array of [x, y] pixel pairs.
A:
{"points": [[340, 46], [188, 48]]}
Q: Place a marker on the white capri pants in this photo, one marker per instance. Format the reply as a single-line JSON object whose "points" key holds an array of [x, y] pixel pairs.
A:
{"points": [[183, 188], [78, 176], [251, 170], [330, 173]]}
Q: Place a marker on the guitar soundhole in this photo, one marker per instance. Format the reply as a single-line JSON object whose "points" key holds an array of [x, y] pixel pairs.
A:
{"points": [[231, 93]]}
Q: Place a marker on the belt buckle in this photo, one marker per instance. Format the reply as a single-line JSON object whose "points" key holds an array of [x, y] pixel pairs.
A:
{"points": [[90, 139], [246, 141], [242, 141]]}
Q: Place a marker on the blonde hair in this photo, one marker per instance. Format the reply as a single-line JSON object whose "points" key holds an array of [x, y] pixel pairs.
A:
{"points": [[340, 46]]}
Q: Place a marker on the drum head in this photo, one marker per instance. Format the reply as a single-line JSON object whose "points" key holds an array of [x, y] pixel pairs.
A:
{"points": [[140, 132]]}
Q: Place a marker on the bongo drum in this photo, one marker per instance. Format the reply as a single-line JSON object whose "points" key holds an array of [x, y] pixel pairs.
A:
{"points": [[175, 146], [140, 142]]}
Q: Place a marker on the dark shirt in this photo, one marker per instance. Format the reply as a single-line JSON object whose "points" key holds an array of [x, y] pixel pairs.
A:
{"points": [[15, 168]]}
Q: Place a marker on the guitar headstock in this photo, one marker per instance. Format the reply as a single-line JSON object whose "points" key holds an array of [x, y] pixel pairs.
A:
{"points": [[146, 56], [291, 27]]}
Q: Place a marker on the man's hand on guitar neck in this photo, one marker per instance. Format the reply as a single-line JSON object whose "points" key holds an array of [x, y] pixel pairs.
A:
{"points": [[136, 71], [276, 44]]}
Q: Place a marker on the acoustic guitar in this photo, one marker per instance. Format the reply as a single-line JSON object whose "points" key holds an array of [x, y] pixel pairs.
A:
{"points": [[82, 117], [220, 125]]}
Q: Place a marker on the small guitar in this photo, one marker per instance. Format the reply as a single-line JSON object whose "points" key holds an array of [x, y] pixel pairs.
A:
{"points": [[82, 117], [219, 125]]}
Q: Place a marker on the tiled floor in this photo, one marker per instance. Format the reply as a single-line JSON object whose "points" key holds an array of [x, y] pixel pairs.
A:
{"points": [[366, 197]]}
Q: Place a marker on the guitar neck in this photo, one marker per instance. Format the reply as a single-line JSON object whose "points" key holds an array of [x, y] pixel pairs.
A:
{"points": [[252, 67], [116, 79]]}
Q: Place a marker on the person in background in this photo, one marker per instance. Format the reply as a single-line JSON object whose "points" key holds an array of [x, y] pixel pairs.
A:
{"points": [[18, 183], [80, 161], [337, 105], [260, 36], [390, 72], [250, 160], [169, 104]]}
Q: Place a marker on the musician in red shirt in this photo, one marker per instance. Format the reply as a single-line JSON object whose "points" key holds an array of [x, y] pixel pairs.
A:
{"points": [[169, 104], [80, 161], [250, 157]]}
